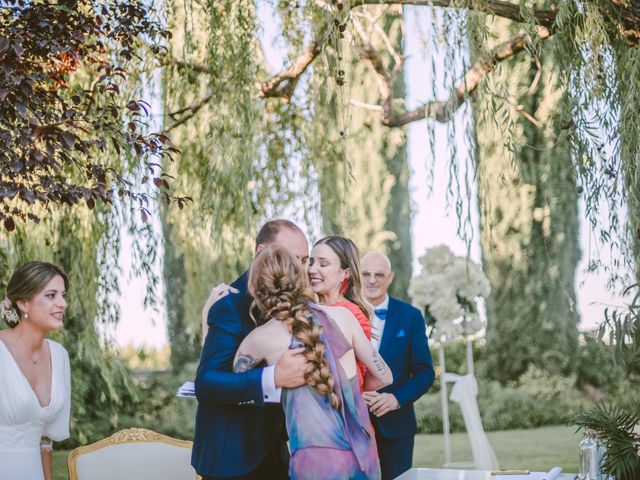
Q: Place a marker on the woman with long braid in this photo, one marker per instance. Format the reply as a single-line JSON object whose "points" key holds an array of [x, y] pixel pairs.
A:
{"points": [[330, 434]]}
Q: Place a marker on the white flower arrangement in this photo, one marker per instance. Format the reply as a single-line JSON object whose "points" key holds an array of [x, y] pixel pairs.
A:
{"points": [[8, 312], [449, 287]]}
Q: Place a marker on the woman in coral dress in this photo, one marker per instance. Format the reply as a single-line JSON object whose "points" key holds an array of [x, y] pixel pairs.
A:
{"points": [[334, 273]]}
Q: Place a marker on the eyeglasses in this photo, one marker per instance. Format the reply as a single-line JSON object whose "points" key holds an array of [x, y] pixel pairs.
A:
{"points": [[376, 275]]}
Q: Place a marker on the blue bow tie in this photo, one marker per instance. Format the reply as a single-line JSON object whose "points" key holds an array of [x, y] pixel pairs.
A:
{"points": [[381, 313]]}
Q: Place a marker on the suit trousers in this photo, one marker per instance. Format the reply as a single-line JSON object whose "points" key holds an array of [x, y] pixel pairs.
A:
{"points": [[275, 466], [396, 455]]}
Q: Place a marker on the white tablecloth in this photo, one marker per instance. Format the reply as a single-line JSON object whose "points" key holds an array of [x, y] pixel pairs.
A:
{"points": [[450, 474]]}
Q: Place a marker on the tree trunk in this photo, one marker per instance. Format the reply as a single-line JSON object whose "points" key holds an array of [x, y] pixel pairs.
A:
{"points": [[528, 218]]}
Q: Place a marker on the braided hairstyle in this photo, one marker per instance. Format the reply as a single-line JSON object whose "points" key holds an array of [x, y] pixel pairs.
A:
{"points": [[279, 285]]}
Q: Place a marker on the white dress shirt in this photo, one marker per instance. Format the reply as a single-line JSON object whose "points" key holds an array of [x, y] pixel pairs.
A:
{"points": [[377, 324], [270, 392]]}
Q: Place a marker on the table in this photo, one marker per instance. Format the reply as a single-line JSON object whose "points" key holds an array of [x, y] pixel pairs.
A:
{"points": [[450, 474]]}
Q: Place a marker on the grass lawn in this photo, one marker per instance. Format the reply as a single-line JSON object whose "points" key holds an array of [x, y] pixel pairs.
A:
{"points": [[536, 449], [60, 470]]}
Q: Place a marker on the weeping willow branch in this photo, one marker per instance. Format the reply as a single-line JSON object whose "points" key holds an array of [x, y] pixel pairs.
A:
{"points": [[189, 112], [629, 16], [283, 84], [506, 10], [168, 61], [442, 111]]}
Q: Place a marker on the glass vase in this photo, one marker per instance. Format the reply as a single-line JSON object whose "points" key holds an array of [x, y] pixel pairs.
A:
{"points": [[592, 454]]}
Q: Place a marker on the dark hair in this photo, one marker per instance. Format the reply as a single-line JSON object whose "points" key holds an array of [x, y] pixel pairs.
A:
{"points": [[29, 279], [270, 230], [279, 285], [349, 257]]}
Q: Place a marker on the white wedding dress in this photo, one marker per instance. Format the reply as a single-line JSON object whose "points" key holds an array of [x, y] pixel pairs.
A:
{"points": [[23, 421]]}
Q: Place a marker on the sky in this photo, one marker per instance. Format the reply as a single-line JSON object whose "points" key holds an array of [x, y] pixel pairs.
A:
{"points": [[434, 221]]}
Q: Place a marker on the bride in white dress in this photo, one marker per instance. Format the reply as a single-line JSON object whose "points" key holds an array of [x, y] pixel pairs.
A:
{"points": [[35, 386]]}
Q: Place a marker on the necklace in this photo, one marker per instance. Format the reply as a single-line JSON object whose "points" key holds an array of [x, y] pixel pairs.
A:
{"points": [[35, 362]]}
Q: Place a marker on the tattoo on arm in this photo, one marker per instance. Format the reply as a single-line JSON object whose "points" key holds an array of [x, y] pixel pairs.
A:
{"points": [[379, 363], [245, 362]]}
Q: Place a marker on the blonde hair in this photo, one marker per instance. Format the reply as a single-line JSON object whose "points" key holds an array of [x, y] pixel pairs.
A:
{"points": [[280, 288]]}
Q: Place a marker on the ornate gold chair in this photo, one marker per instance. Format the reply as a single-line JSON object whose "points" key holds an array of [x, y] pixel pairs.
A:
{"points": [[133, 453]]}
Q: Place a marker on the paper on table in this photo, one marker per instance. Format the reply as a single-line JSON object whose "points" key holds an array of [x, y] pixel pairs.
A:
{"points": [[550, 475], [187, 390], [553, 473]]}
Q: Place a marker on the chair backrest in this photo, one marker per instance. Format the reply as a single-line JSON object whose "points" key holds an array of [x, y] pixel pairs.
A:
{"points": [[133, 453]]}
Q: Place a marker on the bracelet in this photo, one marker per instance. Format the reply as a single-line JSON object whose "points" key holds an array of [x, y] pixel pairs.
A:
{"points": [[46, 444]]}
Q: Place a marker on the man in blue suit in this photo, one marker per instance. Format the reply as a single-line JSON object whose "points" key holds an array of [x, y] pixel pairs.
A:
{"points": [[239, 430], [398, 332]]}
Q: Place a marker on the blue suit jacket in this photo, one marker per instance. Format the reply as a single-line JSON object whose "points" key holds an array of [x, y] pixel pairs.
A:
{"points": [[405, 348], [234, 428]]}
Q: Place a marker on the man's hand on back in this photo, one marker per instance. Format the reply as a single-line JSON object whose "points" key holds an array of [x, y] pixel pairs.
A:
{"points": [[291, 368]]}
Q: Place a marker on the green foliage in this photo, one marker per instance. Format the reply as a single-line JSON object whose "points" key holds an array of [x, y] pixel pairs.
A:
{"points": [[596, 368], [617, 429], [598, 46], [181, 338], [101, 391], [535, 400], [528, 212], [240, 159], [63, 110], [622, 329], [455, 357], [148, 401], [616, 419], [363, 178], [145, 358], [158, 408], [533, 449]]}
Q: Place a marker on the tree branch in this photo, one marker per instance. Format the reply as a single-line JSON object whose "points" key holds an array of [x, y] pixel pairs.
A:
{"points": [[167, 61], [283, 84], [190, 112], [498, 8], [629, 16], [443, 111]]}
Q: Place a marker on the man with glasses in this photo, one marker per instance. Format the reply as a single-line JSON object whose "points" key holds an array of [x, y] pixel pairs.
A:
{"points": [[398, 332]]}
